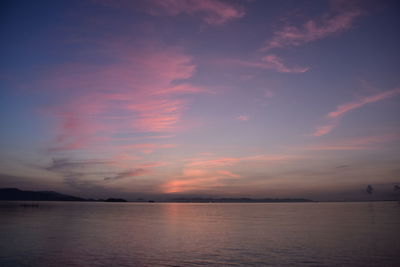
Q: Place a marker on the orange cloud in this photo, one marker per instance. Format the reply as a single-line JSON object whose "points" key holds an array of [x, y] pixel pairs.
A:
{"points": [[228, 173], [199, 175], [196, 180]]}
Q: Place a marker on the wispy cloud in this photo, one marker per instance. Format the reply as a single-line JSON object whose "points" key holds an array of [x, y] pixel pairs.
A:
{"points": [[205, 174], [211, 163], [269, 62], [243, 118], [75, 173], [338, 19], [197, 180], [213, 12], [230, 161], [276, 63], [146, 148], [333, 22], [361, 143], [228, 173], [343, 109], [129, 173], [66, 164], [333, 117], [121, 97]]}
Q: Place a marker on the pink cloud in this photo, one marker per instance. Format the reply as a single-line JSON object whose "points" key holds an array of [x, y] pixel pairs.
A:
{"points": [[153, 164], [165, 136], [343, 109], [228, 173], [274, 62], [243, 118], [145, 91], [157, 115], [270, 62], [211, 163], [269, 94], [75, 128], [146, 148], [214, 12], [265, 158], [333, 117], [333, 22], [231, 161], [182, 89], [325, 129], [149, 145], [362, 143]]}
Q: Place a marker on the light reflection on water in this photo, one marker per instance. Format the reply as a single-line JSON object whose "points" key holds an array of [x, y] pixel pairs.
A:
{"points": [[174, 234]]}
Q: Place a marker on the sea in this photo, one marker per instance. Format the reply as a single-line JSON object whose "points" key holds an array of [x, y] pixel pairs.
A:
{"points": [[199, 234]]}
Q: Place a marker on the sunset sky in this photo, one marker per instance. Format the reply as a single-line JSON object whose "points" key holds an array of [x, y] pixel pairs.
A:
{"points": [[166, 98]]}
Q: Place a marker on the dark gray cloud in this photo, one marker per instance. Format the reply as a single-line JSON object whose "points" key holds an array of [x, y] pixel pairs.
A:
{"points": [[28, 183], [74, 172], [129, 173], [65, 164], [342, 166]]}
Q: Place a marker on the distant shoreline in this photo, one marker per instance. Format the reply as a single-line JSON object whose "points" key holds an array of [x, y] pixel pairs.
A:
{"points": [[14, 194], [175, 202]]}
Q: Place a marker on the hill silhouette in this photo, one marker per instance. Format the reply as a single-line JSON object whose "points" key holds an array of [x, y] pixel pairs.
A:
{"points": [[16, 194]]}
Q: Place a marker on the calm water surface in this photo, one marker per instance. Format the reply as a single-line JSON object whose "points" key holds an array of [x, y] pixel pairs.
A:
{"points": [[169, 234]]}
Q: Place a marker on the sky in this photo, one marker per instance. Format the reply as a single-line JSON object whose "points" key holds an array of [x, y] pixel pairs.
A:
{"points": [[213, 98]]}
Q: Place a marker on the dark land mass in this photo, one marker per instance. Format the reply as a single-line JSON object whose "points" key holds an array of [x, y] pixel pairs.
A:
{"points": [[115, 200], [16, 194], [239, 200]]}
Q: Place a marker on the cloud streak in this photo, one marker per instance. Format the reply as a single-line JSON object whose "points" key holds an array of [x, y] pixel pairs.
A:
{"points": [[243, 118], [361, 143], [122, 97], [334, 117], [276, 63], [201, 175], [314, 29], [269, 62], [129, 173], [213, 12]]}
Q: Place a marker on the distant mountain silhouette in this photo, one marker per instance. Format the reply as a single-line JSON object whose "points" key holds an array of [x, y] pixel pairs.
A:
{"points": [[240, 200], [16, 194]]}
